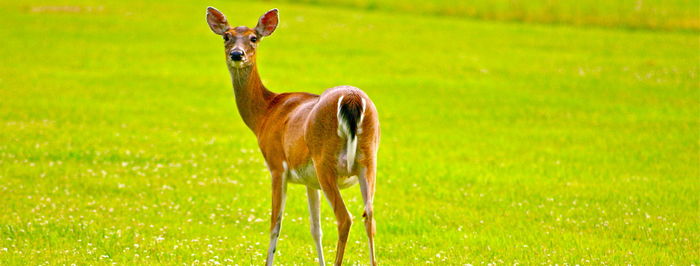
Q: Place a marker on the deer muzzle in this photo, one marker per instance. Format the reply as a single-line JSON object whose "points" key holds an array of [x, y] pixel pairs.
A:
{"points": [[237, 55]]}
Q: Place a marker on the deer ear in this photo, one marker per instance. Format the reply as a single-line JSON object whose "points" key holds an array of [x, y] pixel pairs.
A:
{"points": [[217, 21], [267, 23]]}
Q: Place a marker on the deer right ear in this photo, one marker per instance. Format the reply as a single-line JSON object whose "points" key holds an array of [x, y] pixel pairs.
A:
{"points": [[217, 21]]}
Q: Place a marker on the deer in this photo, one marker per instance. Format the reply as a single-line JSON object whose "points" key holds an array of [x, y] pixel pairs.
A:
{"points": [[326, 142]]}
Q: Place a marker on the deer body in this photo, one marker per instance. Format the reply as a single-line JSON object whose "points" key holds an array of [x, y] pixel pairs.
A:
{"points": [[326, 142]]}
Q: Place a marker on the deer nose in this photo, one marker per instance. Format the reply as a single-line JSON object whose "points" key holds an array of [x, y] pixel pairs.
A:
{"points": [[236, 55]]}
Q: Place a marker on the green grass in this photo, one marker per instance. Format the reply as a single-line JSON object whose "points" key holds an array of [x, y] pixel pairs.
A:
{"points": [[638, 14], [501, 142]]}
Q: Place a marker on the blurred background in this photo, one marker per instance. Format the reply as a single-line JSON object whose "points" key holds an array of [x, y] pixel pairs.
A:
{"points": [[658, 14], [512, 131]]}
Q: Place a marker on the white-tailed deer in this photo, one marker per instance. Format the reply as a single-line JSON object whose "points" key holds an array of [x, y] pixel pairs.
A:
{"points": [[327, 142]]}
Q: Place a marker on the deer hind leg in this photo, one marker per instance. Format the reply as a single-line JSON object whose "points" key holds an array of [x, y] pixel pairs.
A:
{"points": [[279, 194], [328, 180], [367, 182], [314, 197]]}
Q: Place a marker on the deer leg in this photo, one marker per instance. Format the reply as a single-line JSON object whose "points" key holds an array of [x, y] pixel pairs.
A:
{"points": [[367, 181], [315, 216], [279, 191], [328, 180]]}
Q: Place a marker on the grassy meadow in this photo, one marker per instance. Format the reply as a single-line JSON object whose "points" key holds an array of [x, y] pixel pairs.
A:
{"points": [[633, 14], [502, 142]]}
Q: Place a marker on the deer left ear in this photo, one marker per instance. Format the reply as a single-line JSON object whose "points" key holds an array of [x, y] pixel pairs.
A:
{"points": [[267, 23]]}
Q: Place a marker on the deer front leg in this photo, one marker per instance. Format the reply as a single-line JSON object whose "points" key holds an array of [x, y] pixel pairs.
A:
{"points": [[279, 194], [315, 218], [367, 182], [328, 180]]}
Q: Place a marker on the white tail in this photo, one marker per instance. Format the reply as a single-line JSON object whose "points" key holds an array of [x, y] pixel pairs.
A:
{"points": [[349, 120], [352, 150]]}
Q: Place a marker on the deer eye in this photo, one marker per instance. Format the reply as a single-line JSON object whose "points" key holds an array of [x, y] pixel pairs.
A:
{"points": [[253, 39], [226, 37]]}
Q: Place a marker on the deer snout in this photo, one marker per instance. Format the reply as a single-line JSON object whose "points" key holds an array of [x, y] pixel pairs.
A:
{"points": [[237, 55]]}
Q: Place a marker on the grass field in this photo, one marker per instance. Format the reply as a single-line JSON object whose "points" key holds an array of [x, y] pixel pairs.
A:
{"points": [[501, 142], [634, 14]]}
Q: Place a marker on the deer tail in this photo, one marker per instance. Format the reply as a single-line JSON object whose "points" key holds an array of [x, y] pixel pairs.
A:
{"points": [[351, 109]]}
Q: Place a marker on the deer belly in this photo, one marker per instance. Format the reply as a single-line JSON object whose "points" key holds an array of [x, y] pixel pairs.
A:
{"points": [[306, 175]]}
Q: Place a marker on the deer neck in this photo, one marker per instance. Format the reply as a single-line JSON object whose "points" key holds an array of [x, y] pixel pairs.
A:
{"points": [[252, 98]]}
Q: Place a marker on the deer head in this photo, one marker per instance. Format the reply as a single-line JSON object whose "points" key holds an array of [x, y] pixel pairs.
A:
{"points": [[241, 42]]}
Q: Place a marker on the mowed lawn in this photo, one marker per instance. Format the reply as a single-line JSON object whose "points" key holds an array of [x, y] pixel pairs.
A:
{"points": [[501, 142]]}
